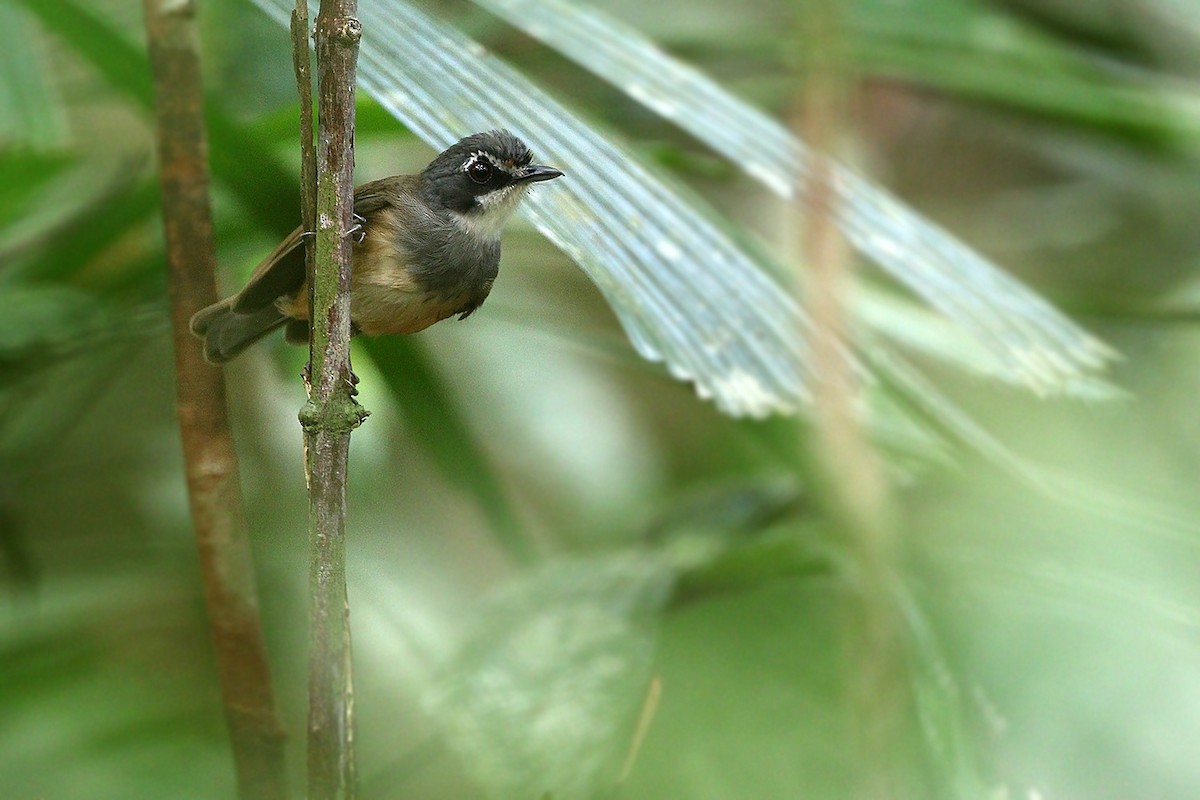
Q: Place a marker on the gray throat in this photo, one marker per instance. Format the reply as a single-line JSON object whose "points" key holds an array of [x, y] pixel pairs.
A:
{"points": [[452, 259]]}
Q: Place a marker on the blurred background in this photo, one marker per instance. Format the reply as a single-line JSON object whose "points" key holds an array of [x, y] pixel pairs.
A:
{"points": [[568, 574]]}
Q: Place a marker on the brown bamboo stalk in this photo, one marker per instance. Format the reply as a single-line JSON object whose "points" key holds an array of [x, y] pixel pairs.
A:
{"points": [[210, 462], [331, 412]]}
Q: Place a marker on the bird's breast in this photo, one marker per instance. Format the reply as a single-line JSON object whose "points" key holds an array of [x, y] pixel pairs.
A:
{"points": [[409, 274]]}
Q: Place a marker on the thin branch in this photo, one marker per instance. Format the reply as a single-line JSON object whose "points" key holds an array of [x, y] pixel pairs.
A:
{"points": [[210, 461], [308, 153], [331, 412], [855, 486]]}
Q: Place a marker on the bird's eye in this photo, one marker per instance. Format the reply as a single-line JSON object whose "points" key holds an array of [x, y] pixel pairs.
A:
{"points": [[480, 171]]}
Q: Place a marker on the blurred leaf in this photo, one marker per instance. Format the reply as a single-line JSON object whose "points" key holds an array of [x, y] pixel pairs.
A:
{"points": [[436, 425], [752, 700], [283, 124], [729, 509], [45, 387], [96, 226], [749, 565], [16, 558], [1026, 340], [978, 51], [90, 709], [925, 333], [24, 173], [544, 692], [36, 319], [944, 711], [242, 160], [564, 654], [738, 536], [122, 66], [30, 107], [927, 405]]}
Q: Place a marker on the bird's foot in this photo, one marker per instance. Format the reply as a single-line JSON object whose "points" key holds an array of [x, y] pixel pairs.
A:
{"points": [[358, 232]]}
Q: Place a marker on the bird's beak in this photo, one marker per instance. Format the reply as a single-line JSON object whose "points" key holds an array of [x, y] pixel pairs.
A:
{"points": [[537, 172]]}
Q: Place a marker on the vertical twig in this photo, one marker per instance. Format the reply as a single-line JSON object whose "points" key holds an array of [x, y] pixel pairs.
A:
{"points": [[331, 412], [210, 461], [308, 152], [855, 487]]}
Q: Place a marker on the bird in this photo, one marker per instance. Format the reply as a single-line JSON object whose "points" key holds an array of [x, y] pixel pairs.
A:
{"points": [[426, 247]]}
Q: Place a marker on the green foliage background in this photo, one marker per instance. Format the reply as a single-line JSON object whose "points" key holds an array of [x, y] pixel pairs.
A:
{"points": [[542, 526]]}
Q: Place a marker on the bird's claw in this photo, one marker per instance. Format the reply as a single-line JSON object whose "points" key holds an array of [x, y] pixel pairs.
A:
{"points": [[358, 231]]}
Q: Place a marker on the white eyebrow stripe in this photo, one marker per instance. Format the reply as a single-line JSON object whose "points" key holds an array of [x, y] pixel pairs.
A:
{"points": [[495, 162]]}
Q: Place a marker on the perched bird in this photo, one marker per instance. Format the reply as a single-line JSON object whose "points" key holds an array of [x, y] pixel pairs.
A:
{"points": [[427, 247]]}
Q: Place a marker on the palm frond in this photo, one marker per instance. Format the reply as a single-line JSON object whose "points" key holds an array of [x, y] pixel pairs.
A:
{"points": [[1029, 341]]}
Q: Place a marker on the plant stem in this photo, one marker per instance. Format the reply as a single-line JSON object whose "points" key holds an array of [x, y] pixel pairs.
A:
{"points": [[855, 488], [331, 412], [308, 153], [210, 460]]}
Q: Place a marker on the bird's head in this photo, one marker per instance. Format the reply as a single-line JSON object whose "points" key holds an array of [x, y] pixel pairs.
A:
{"points": [[481, 179]]}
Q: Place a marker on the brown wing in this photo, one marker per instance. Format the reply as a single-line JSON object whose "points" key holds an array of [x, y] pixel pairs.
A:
{"points": [[281, 274], [374, 195]]}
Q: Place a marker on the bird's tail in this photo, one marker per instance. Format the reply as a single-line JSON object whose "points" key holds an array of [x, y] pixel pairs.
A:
{"points": [[227, 333]]}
